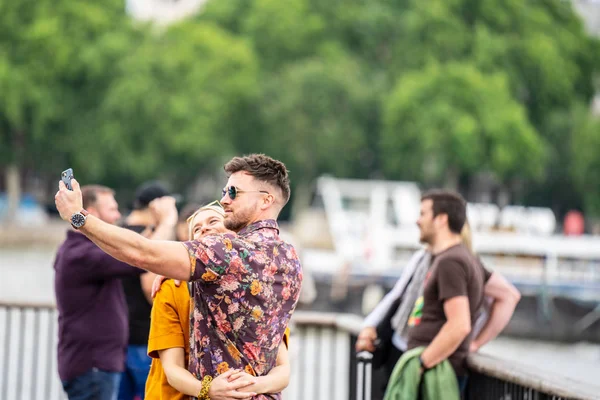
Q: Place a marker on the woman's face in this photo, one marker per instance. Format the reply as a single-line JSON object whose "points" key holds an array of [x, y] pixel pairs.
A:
{"points": [[207, 222]]}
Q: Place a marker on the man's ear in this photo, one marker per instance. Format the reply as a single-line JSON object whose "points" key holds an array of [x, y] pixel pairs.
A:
{"points": [[443, 219], [267, 202], [440, 219]]}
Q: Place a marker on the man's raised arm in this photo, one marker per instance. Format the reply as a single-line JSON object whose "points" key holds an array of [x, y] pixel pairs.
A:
{"points": [[170, 259]]}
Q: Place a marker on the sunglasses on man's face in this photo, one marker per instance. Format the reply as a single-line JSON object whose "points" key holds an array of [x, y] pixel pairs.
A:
{"points": [[232, 191]]}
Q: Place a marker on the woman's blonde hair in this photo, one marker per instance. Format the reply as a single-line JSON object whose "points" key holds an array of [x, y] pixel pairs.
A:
{"points": [[466, 236], [215, 206]]}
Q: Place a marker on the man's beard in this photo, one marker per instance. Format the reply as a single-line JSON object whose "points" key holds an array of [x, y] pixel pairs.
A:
{"points": [[237, 222], [425, 238]]}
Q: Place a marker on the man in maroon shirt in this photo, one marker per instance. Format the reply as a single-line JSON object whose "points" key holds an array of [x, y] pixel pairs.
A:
{"points": [[92, 313]]}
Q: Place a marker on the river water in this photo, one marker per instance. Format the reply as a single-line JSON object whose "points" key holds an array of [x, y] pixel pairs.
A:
{"points": [[26, 276]]}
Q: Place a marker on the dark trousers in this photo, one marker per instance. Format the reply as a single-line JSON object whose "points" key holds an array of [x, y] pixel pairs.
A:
{"points": [[137, 368], [93, 385], [462, 385], [385, 372]]}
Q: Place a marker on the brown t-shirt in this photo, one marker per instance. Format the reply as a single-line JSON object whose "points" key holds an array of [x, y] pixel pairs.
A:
{"points": [[454, 272]]}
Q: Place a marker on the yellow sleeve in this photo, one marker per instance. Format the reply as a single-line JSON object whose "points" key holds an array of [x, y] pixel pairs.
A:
{"points": [[286, 337], [166, 329]]}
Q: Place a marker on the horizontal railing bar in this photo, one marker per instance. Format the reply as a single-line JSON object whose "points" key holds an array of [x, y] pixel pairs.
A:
{"points": [[346, 322], [25, 304], [542, 381]]}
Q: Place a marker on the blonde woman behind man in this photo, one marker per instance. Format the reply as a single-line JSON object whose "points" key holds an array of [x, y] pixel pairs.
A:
{"points": [[501, 300]]}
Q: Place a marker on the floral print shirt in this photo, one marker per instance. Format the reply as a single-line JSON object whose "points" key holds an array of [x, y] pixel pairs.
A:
{"points": [[245, 289]]}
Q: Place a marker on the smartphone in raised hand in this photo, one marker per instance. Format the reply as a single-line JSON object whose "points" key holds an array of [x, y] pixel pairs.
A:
{"points": [[66, 176]]}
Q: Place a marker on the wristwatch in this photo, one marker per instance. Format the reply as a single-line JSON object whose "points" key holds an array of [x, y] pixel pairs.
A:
{"points": [[78, 219], [423, 364]]}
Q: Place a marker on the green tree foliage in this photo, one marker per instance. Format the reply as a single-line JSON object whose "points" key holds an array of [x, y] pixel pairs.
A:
{"points": [[175, 103], [586, 163], [317, 114], [443, 133], [44, 79], [283, 31], [43, 71], [540, 46], [430, 91]]}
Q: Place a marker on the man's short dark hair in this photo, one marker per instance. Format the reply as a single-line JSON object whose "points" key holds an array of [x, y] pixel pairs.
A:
{"points": [[450, 203], [262, 168], [90, 194]]}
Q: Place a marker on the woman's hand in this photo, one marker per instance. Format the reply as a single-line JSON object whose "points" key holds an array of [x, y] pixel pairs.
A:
{"points": [[231, 385], [254, 387]]}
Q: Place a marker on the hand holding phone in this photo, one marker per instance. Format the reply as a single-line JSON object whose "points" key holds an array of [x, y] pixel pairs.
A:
{"points": [[66, 177]]}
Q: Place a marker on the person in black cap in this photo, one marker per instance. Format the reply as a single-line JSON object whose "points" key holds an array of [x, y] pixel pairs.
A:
{"points": [[153, 202]]}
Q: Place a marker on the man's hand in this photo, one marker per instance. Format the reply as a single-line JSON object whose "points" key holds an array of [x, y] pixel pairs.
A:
{"points": [[68, 202], [366, 339], [226, 385], [164, 210], [158, 281], [474, 347]]}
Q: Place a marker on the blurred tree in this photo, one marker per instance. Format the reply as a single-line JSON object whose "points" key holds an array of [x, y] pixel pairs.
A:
{"points": [[586, 163], [450, 120], [85, 87], [228, 14], [280, 32], [317, 116], [43, 79], [297, 29], [177, 101], [540, 46], [283, 31], [419, 90], [551, 62], [369, 30]]}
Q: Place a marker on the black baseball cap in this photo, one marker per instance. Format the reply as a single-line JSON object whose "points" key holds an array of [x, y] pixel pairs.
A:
{"points": [[149, 191]]}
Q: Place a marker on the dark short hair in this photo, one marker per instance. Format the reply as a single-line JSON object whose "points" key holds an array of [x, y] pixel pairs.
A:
{"points": [[90, 194], [450, 203], [147, 192], [262, 168]]}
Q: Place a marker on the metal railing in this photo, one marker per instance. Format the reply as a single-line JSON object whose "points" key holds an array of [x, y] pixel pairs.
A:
{"points": [[28, 337], [321, 353], [495, 378], [490, 378]]}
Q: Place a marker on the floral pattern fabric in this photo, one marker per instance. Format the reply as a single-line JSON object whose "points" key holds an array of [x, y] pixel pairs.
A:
{"points": [[245, 289]]}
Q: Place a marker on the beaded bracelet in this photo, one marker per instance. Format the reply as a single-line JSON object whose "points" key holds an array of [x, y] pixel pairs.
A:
{"points": [[206, 382]]}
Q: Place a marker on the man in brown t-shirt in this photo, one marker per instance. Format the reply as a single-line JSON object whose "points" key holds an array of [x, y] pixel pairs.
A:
{"points": [[453, 293]]}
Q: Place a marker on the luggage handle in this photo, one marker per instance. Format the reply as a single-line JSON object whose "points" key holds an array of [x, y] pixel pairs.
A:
{"points": [[363, 375], [364, 356]]}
